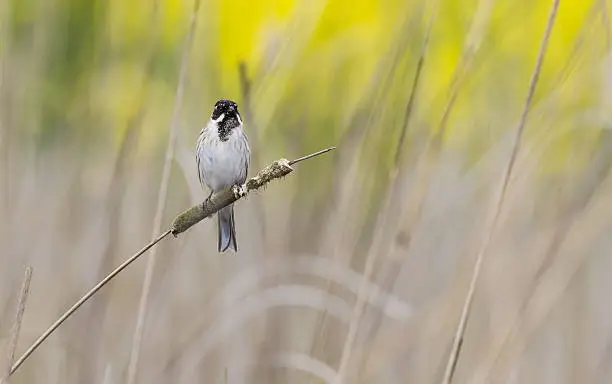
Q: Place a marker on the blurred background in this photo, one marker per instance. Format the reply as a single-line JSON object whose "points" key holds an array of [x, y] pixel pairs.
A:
{"points": [[356, 264]]}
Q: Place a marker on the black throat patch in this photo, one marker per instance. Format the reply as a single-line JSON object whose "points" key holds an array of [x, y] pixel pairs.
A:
{"points": [[229, 122], [227, 109]]}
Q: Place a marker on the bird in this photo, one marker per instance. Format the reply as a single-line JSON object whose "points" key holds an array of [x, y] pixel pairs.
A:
{"points": [[223, 157]]}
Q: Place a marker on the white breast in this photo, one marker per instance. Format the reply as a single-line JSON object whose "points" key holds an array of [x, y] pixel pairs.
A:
{"points": [[222, 164]]}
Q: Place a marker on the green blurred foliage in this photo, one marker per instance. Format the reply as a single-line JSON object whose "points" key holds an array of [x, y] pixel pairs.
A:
{"points": [[314, 66]]}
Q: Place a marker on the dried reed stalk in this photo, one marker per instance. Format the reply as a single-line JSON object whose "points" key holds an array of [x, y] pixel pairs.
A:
{"points": [[182, 222], [162, 197], [21, 302], [498, 204]]}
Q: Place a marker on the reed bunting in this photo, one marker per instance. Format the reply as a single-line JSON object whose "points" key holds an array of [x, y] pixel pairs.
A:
{"points": [[223, 156]]}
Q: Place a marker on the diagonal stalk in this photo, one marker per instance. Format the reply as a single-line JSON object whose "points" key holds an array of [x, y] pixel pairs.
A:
{"points": [[182, 222], [161, 199], [499, 201]]}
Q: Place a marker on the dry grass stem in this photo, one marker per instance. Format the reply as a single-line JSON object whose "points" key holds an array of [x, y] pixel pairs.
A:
{"points": [[415, 86], [21, 303], [394, 176], [555, 264], [378, 242], [413, 208], [162, 197], [363, 117], [498, 203], [82, 301], [458, 235], [195, 214], [278, 169], [300, 159], [122, 173], [549, 290], [472, 45]]}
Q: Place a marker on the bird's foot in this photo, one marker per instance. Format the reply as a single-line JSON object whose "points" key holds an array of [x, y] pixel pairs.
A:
{"points": [[239, 191], [207, 201]]}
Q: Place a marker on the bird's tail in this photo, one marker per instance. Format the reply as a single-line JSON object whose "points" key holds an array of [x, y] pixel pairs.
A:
{"points": [[227, 231]]}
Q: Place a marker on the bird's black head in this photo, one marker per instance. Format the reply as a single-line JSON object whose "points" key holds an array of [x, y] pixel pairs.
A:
{"points": [[223, 106], [226, 115]]}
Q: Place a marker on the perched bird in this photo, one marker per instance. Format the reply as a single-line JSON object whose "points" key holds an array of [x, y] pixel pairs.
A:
{"points": [[223, 157]]}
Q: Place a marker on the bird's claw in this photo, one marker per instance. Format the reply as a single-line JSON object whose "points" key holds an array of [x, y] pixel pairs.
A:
{"points": [[207, 201], [239, 191]]}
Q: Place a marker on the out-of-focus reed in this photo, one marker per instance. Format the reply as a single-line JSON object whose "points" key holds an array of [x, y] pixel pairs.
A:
{"points": [[87, 93]]}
